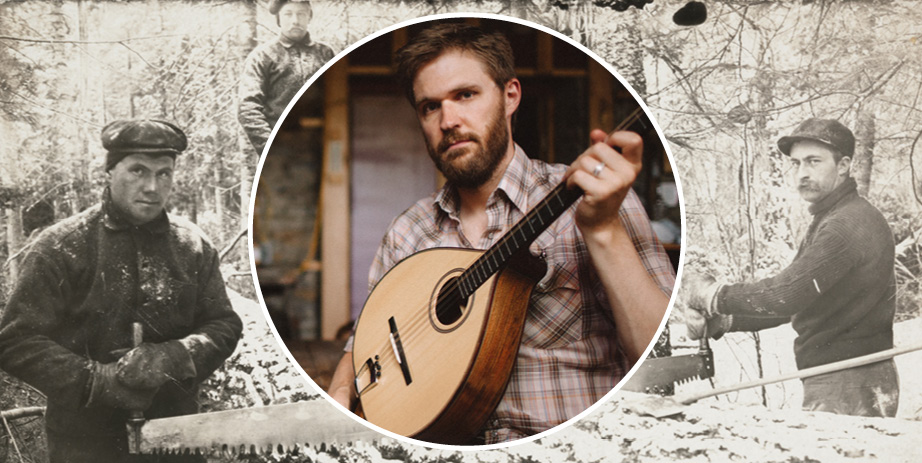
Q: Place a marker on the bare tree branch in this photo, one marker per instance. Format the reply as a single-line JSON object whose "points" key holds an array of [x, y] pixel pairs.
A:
{"points": [[83, 42]]}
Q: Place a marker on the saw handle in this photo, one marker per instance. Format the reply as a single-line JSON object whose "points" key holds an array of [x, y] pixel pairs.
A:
{"points": [[704, 349], [137, 337], [135, 417]]}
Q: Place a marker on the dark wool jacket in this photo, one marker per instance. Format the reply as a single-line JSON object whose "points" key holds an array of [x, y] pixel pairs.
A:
{"points": [[84, 281], [839, 293], [273, 73]]}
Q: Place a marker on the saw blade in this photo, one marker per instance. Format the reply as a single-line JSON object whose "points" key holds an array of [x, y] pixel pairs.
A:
{"points": [[656, 374], [272, 429]]}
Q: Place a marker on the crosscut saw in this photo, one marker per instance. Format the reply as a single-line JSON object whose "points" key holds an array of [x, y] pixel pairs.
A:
{"points": [[659, 375], [274, 429]]}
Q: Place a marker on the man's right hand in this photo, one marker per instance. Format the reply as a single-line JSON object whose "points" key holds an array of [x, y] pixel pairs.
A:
{"points": [[107, 391], [342, 386], [152, 365]]}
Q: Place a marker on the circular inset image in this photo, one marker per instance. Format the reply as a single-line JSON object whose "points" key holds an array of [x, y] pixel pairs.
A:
{"points": [[453, 230]]}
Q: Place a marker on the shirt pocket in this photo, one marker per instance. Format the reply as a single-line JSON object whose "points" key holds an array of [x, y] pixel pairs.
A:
{"points": [[555, 314]]}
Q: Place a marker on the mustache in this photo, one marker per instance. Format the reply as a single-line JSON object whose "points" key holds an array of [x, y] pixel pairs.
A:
{"points": [[454, 137], [807, 186]]}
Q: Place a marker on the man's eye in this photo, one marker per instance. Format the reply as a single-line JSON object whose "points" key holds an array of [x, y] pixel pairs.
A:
{"points": [[428, 108], [466, 95], [165, 175]]}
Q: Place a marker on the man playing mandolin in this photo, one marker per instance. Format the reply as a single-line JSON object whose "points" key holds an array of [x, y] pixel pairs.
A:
{"points": [[608, 281]]}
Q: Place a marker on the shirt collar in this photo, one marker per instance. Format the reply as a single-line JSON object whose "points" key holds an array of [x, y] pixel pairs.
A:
{"points": [[515, 181], [287, 43], [836, 195], [513, 185], [115, 220]]}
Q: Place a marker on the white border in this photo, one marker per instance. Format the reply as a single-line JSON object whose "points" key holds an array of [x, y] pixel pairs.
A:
{"points": [[317, 75]]}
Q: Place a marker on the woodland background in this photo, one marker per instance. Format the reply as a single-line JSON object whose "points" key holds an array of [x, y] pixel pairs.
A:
{"points": [[722, 93]]}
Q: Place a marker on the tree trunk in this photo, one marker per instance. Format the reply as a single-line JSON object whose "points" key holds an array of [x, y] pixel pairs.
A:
{"points": [[863, 162], [14, 238], [83, 133], [246, 154], [218, 198]]}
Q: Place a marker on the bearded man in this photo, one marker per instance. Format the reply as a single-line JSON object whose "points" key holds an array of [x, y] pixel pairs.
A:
{"points": [[608, 281]]}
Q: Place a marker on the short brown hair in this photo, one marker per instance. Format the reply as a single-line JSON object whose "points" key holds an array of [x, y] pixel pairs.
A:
{"points": [[492, 49]]}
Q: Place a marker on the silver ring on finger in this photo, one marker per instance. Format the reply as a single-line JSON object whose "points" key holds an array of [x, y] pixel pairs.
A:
{"points": [[598, 170]]}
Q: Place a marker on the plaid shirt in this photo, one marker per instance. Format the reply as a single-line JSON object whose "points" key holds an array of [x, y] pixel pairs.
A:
{"points": [[570, 356]]}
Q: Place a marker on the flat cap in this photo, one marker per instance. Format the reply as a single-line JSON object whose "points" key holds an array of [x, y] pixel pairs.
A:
{"points": [[276, 5], [826, 131], [141, 136]]}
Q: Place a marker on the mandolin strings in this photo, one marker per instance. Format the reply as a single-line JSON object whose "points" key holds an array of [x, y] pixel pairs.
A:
{"points": [[458, 288]]}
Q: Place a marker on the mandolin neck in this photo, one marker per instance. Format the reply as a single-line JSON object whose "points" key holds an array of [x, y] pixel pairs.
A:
{"points": [[526, 230], [519, 237]]}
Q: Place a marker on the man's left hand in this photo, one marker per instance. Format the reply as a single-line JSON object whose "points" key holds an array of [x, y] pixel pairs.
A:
{"points": [[605, 172], [151, 365], [698, 291], [699, 327]]}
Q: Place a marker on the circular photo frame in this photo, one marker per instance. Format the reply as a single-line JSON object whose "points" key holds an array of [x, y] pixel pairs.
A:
{"points": [[435, 154]]}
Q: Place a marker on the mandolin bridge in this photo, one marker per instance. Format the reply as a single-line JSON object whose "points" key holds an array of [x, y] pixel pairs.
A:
{"points": [[397, 345]]}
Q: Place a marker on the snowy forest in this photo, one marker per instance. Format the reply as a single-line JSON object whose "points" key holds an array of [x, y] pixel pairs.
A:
{"points": [[722, 87]]}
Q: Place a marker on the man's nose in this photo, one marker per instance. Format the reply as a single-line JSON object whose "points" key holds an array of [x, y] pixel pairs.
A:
{"points": [[149, 183], [449, 116]]}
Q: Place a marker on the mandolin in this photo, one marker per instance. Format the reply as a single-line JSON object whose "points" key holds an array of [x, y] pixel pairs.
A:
{"points": [[438, 336]]}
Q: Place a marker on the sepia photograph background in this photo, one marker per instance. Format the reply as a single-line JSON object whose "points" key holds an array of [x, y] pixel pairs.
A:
{"points": [[723, 91]]}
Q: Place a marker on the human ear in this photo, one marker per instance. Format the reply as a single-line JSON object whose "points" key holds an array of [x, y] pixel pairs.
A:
{"points": [[513, 96], [844, 166]]}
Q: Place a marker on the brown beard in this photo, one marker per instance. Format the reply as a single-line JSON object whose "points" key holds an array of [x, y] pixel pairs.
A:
{"points": [[490, 152]]}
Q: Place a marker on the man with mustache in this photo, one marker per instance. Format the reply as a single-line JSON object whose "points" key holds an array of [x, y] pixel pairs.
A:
{"points": [[276, 70], [67, 328], [838, 293], [608, 280]]}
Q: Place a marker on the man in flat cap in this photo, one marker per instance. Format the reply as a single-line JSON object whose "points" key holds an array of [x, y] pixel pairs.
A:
{"points": [[67, 328], [839, 291], [275, 71]]}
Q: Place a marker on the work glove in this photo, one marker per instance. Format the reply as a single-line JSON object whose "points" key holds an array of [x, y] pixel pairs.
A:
{"points": [[107, 391], [699, 327], [698, 291], [151, 365]]}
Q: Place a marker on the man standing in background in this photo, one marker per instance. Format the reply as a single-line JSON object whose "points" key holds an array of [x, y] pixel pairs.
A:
{"points": [[275, 71]]}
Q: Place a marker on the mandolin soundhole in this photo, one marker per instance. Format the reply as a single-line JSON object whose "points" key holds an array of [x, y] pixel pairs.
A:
{"points": [[450, 305]]}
